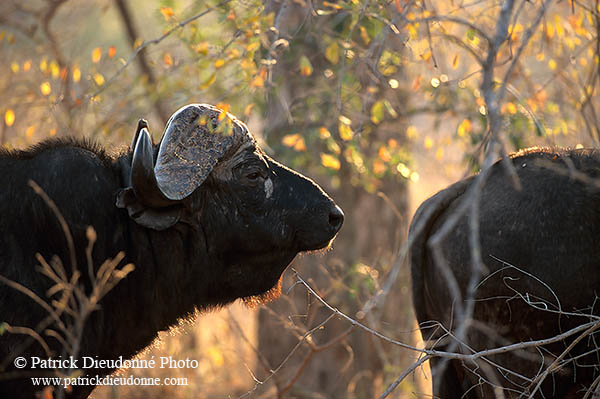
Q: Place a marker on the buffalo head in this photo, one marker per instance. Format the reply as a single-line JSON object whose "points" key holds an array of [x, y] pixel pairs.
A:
{"points": [[238, 209]]}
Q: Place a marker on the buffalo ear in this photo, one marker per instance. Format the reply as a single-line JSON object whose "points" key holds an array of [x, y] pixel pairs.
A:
{"points": [[196, 138], [156, 219]]}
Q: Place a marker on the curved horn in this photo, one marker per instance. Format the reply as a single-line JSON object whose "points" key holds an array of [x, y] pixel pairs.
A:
{"points": [[143, 179], [142, 123], [196, 137]]}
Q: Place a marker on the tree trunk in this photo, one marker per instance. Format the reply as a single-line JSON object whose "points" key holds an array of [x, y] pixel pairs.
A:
{"points": [[356, 363]]}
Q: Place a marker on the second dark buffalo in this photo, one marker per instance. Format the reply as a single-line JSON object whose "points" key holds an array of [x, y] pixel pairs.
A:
{"points": [[539, 245]]}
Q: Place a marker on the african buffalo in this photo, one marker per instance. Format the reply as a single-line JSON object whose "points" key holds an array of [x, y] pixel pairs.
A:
{"points": [[540, 249], [206, 217]]}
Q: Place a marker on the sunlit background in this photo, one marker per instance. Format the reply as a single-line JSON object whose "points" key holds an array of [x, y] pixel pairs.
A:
{"points": [[381, 102]]}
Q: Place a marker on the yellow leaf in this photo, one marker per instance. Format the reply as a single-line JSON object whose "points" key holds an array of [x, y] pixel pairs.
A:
{"points": [[345, 131], [439, 154], [167, 59], [45, 88], [306, 68], [54, 69], [364, 35], [219, 63], [14, 67], [234, 53], [253, 46], [216, 356], [324, 133], [9, 117], [511, 108], [201, 48], [428, 143], [549, 31], [332, 5], [223, 107], [248, 65], [248, 109], [112, 51], [329, 161], [412, 32], [412, 132], [27, 66], [52, 132], [464, 127], [332, 53], [96, 55], [295, 141], [378, 167], [138, 42], [455, 62], [76, 74], [208, 82], [258, 81], [552, 64], [43, 65], [435, 82], [99, 79], [290, 139], [300, 145], [384, 154], [334, 147], [389, 70], [231, 16], [345, 120], [167, 12], [30, 131]]}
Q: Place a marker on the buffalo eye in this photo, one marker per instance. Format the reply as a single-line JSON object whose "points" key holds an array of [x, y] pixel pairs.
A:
{"points": [[253, 176]]}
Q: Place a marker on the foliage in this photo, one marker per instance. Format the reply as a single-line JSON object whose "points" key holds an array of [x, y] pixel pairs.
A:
{"points": [[350, 91]]}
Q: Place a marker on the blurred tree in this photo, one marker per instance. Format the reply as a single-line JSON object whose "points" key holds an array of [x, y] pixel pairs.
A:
{"points": [[331, 83]]}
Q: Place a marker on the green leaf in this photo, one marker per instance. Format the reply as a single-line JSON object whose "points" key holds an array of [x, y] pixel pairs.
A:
{"points": [[332, 53], [471, 34], [377, 114]]}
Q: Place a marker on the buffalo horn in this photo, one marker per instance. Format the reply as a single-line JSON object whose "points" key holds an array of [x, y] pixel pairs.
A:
{"points": [[142, 123], [196, 138], [143, 179]]}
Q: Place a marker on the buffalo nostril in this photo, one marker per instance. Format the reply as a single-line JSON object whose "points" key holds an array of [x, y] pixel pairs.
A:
{"points": [[336, 217]]}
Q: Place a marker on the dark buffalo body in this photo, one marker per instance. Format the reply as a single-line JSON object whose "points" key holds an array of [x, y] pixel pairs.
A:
{"points": [[238, 222], [541, 250]]}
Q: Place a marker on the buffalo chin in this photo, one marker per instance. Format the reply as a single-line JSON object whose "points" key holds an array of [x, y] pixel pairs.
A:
{"points": [[272, 294], [321, 247]]}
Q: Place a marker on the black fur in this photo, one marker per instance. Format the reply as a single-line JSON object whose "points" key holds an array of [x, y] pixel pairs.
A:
{"points": [[549, 229], [233, 242]]}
